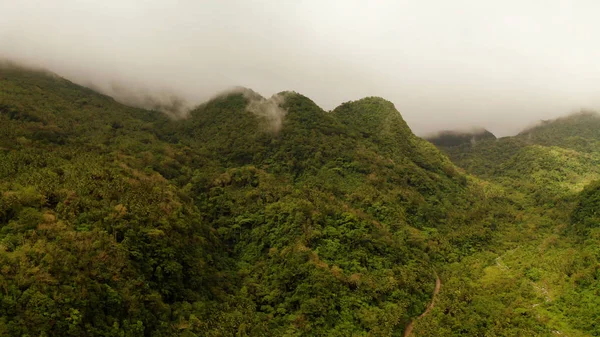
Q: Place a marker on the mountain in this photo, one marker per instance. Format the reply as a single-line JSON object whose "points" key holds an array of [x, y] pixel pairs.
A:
{"points": [[257, 216], [560, 155], [448, 138], [92, 240], [251, 216], [578, 131], [545, 265]]}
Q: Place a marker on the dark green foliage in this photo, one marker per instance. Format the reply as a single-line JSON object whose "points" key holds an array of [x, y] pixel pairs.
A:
{"points": [[117, 221], [587, 212]]}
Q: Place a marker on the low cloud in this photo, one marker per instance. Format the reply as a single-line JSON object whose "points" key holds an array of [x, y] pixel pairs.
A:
{"points": [[270, 109], [169, 103], [445, 65]]}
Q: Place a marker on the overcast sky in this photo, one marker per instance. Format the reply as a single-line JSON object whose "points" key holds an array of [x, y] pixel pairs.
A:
{"points": [[444, 64]]}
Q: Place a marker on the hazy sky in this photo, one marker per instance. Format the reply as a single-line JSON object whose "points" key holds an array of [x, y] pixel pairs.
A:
{"points": [[444, 64]]}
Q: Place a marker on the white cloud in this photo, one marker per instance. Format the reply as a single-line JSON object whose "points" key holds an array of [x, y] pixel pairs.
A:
{"points": [[444, 64]]}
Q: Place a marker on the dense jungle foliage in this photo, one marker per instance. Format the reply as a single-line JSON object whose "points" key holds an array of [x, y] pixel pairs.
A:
{"points": [[543, 278], [118, 221]]}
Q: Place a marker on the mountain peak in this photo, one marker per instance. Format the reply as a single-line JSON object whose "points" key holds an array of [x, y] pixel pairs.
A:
{"points": [[456, 137], [373, 116], [575, 131], [579, 119]]}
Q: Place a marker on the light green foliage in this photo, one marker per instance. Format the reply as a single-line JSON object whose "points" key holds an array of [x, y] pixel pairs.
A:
{"points": [[541, 278]]}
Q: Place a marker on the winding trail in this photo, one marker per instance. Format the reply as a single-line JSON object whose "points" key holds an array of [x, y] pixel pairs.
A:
{"points": [[438, 284]]}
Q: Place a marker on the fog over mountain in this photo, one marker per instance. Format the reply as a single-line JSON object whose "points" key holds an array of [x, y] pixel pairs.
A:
{"points": [[444, 64]]}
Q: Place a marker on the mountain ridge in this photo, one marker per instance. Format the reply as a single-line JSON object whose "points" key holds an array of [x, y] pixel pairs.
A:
{"points": [[262, 216], [218, 224]]}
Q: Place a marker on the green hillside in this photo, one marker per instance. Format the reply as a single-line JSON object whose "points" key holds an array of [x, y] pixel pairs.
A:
{"points": [[273, 217], [116, 221], [547, 264], [578, 131]]}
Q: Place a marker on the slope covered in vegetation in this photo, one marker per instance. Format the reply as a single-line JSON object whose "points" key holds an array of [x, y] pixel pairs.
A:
{"points": [[455, 138], [542, 277], [116, 221], [273, 217], [578, 131]]}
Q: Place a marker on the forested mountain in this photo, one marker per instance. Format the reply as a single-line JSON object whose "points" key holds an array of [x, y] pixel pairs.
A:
{"points": [[448, 138], [273, 217], [118, 221], [547, 265], [578, 131]]}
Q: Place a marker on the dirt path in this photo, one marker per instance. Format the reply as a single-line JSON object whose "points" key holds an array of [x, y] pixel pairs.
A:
{"points": [[438, 284]]}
